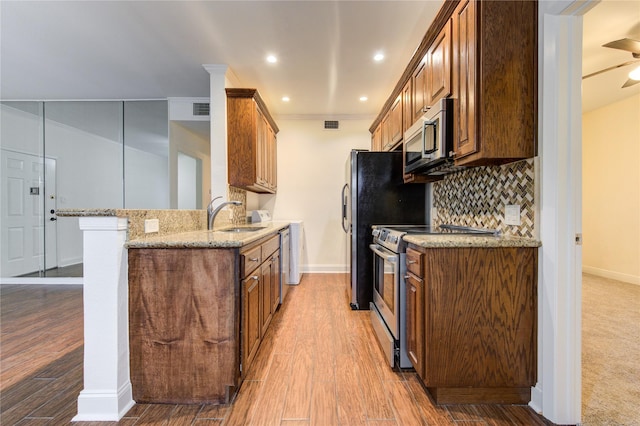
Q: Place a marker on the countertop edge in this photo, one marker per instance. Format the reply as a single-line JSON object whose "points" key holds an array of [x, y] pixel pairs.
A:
{"points": [[207, 239], [453, 241]]}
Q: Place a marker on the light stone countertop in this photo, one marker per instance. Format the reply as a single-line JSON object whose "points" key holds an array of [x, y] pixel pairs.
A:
{"points": [[457, 241], [216, 238]]}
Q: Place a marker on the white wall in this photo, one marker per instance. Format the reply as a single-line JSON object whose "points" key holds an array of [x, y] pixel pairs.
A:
{"points": [[311, 173], [181, 139], [146, 180], [611, 190]]}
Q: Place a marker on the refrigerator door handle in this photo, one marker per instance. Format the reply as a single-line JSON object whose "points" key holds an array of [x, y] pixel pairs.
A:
{"points": [[345, 225]]}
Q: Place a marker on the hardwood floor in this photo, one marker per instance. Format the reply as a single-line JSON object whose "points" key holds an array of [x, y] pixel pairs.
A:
{"points": [[318, 365]]}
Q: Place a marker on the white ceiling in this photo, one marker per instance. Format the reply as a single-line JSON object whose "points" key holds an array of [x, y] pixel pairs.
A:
{"points": [[155, 50], [150, 50], [609, 20]]}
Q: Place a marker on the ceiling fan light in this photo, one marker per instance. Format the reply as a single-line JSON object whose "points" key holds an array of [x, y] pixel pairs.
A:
{"points": [[635, 74]]}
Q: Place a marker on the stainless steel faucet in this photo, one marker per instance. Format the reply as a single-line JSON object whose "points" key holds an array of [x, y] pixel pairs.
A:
{"points": [[212, 213]]}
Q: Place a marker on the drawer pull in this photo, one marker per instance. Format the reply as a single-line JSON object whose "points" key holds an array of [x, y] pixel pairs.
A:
{"points": [[253, 259], [254, 277], [410, 262]]}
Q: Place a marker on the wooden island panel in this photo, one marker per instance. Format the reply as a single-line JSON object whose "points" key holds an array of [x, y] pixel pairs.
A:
{"points": [[184, 325]]}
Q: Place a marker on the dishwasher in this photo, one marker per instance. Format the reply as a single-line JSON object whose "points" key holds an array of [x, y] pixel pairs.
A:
{"points": [[285, 257]]}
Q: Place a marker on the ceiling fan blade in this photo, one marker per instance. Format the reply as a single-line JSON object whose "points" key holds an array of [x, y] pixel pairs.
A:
{"points": [[627, 44], [624, 64], [630, 82]]}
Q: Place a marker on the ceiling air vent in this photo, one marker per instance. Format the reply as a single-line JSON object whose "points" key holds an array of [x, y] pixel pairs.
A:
{"points": [[331, 125], [201, 109]]}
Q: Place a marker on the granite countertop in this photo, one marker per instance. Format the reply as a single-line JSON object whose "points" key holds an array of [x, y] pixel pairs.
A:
{"points": [[215, 238], [453, 241]]}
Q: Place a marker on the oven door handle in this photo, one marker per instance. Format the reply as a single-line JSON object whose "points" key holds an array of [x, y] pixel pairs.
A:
{"points": [[393, 258]]}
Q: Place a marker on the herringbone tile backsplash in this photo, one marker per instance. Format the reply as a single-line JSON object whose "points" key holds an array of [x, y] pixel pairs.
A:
{"points": [[477, 196]]}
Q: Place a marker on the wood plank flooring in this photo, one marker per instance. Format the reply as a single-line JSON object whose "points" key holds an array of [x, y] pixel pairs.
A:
{"points": [[318, 365]]}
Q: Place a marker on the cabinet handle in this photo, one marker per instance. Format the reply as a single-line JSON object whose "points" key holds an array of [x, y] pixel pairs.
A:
{"points": [[425, 109], [410, 262], [254, 277], [406, 277], [253, 259]]}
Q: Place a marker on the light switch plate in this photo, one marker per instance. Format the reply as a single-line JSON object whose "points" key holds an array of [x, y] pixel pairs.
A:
{"points": [[512, 214], [151, 225]]}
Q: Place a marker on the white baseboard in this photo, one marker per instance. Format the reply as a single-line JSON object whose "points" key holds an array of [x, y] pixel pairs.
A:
{"points": [[325, 269], [536, 399], [44, 280], [604, 273], [104, 405]]}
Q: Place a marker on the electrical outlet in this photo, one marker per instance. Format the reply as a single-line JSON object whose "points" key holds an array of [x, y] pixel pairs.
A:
{"points": [[512, 214], [151, 225]]}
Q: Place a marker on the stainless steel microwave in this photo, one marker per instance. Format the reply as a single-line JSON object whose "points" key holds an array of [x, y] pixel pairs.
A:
{"points": [[428, 143]]}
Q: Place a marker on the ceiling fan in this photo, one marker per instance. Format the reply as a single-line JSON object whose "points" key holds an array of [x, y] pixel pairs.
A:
{"points": [[630, 45]]}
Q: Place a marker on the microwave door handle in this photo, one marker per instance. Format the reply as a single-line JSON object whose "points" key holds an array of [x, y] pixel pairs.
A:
{"points": [[392, 258]]}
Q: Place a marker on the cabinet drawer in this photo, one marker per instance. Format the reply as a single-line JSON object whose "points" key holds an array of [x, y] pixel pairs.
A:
{"points": [[250, 260], [414, 262], [270, 246]]}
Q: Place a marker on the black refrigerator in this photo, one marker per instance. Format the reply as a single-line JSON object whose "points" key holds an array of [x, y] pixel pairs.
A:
{"points": [[375, 194]]}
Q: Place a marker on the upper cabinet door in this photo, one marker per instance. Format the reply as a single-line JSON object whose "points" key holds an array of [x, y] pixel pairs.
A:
{"points": [[439, 62], [464, 74], [420, 90], [396, 122], [407, 106]]}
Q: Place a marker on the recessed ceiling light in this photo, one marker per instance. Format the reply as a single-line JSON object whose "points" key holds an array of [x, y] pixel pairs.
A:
{"points": [[363, 99], [378, 57], [285, 99], [272, 59]]}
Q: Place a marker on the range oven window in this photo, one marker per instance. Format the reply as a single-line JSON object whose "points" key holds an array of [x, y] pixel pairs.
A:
{"points": [[386, 281]]}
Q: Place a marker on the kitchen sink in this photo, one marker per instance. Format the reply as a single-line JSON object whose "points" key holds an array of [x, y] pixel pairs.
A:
{"points": [[243, 229]]}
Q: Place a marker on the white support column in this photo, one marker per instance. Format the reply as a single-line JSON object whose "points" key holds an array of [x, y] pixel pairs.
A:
{"points": [[559, 388], [218, 115], [107, 394]]}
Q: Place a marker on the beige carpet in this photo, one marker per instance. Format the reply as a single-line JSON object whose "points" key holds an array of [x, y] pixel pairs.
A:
{"points": [[610, 352]]}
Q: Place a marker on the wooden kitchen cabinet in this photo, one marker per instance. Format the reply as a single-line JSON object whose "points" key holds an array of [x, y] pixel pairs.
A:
{"points": [[260, 306], [438, 84], [251, 319], [251, 142], [479, 329], [494, 81], [395, 124], [376, 139], [415, 314], [407, 106], [419, 85]]}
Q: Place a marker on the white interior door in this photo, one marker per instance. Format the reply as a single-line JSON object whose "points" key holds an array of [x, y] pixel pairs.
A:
{"points": [[22, 225], [50, 219]]}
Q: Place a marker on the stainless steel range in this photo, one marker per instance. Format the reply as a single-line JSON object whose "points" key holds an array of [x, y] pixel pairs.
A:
{"points": [[389, 296]]}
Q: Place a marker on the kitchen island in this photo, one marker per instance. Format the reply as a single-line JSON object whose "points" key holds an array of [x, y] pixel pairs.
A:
{"points": [[109, 235], [199, 304]]}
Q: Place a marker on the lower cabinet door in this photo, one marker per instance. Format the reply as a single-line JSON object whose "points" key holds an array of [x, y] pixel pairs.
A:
{"points": [[275, 282], [415, 322], [265, 294], [251, 322]]}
